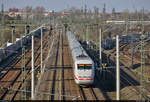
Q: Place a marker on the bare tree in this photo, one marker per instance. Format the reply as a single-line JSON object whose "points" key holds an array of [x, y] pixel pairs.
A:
{"points": [[113, 13], [96, 11], [28, 11], [39, 12], [126, 14]]}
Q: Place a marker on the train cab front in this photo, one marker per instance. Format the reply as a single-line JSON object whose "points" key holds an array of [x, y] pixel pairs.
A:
{"points": [[84, 82], [84, 74]]}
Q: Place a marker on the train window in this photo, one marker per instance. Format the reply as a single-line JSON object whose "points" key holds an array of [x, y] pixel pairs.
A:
{"points": [[80, 66], [84, 66], [88, 66]]}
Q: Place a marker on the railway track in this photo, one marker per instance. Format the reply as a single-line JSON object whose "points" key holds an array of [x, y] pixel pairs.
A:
{"points": [[37, 54], [104, 87], [129, 87], [146, 89], [9, 63], [10, 72], [53, 89], [47, 87], [130, 84], [62, 73], [71, 88], [58, 82], [81, 93], [108, 89], [127, 70], [16, 81], [88, 93], [37, 61]]}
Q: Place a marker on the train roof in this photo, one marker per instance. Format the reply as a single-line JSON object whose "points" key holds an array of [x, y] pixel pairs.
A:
{"points": [[78, 53]]}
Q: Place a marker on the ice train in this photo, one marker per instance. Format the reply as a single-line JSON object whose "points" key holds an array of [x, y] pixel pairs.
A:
{"points": [[83, 65]]}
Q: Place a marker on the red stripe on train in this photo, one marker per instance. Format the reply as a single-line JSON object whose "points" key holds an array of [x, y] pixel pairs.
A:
{"points": [[89, 79], [82, 78], [75, 77]]}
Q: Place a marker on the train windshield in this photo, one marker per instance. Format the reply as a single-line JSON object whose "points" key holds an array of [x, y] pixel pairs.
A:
{"points": [[84, 66]]}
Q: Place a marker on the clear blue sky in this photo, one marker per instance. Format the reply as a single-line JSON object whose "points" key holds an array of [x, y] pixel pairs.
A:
{"points": [[58, 5]]}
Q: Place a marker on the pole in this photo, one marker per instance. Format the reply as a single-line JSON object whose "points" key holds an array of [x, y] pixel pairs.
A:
{"points": [[142, 65], [87, 34], [126, 26], [100, 49], [97, 33], [3, 23], [24, 96], [41, 49], [23, 93], [53, 19], [25, 30], [32, 83], [142, 58], [83, 33], [132, 52], [12, 35], [117, 69], [12, 32]]}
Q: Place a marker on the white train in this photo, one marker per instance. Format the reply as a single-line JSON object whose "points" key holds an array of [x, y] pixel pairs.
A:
{"points": [[83, 65]]}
